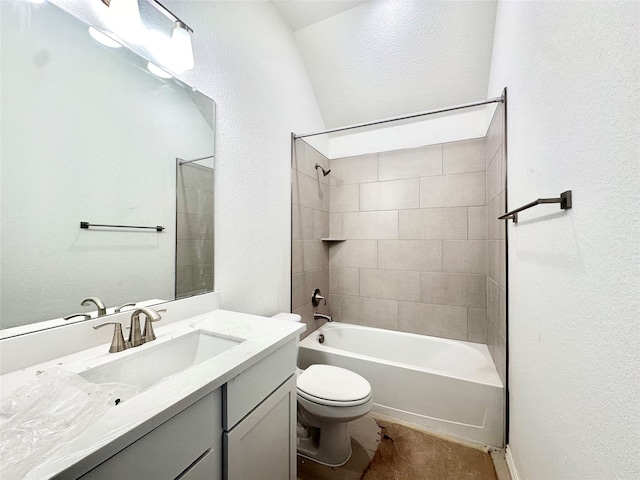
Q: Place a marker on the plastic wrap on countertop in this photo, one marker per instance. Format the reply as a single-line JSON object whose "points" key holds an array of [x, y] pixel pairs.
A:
{"points": [[47, 411]]}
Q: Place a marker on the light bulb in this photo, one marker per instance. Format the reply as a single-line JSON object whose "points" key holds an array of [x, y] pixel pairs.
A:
{"points": [[126, 13], [157, 71], [181, 49], [103, 39]]}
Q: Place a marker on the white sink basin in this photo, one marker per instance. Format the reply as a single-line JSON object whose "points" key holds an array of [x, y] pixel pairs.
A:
{"points": [[155, 362]]}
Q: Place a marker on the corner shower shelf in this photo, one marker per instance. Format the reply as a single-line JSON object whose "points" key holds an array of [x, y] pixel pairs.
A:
{"points": [[333, 240]]}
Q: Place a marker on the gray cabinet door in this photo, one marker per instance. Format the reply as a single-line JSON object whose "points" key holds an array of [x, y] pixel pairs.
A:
{"points": [[263, 445]]}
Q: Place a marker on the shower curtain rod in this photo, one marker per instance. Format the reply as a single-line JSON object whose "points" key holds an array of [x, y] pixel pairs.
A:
{"points": [[182, 162], [403, 117]]}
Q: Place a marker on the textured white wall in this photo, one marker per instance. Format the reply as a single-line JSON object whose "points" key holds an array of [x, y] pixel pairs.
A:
{"points": [[247, 60], [571, 69]]}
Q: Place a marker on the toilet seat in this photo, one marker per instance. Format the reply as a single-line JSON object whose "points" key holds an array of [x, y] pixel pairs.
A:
{"points": [[333, 386]]}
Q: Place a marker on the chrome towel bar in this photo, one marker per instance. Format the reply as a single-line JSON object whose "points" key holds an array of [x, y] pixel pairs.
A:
{"points": [[564, 200], [157, 228]]}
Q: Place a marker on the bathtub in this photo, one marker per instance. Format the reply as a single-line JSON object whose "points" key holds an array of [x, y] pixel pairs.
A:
{"points": [[449, 386]]}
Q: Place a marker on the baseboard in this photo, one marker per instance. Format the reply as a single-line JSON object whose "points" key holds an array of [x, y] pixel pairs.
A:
{"points": [[510, 464]]}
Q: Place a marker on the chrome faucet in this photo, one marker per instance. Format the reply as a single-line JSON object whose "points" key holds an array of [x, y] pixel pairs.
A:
{"points": [[135, 336], [102, 311], [322, 316]]}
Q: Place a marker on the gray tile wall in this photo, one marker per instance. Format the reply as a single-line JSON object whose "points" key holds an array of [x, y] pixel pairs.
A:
{"points": [[310, 222], [416, 253], [194, 227], [496, 234], [424, 250]]}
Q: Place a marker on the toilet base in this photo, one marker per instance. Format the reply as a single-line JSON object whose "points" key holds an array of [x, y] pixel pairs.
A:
{"points": [[309, 457], [309, 449], [331, 449]]}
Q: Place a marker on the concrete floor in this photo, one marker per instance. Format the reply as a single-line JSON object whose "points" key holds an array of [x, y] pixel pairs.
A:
{"points": [[385, 448]]}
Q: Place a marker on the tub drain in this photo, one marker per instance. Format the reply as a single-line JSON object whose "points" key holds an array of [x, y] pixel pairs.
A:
{"points": [[321, 338]]}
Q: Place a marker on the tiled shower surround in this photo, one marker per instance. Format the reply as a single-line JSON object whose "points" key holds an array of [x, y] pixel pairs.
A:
{"points": [[415, 255], [420, 253], [310, 223], [496, 229]]}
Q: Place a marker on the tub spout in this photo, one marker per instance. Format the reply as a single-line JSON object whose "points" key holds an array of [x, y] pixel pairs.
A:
{"points": [[322, 316]]}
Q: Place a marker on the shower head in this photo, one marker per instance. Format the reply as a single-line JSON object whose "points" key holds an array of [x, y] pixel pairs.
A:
{"points": [[324, 172]]}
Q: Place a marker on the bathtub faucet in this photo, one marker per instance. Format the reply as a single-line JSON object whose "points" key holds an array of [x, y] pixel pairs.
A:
{"points": [[322, 316]]}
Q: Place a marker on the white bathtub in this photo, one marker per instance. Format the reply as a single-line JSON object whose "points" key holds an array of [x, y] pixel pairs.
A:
{"points": [[449, 386]]}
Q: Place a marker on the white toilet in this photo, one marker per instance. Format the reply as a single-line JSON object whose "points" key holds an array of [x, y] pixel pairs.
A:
{"points": [[328, 398]]}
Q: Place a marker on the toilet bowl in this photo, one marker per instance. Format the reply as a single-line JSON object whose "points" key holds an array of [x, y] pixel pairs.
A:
{"points": [[328, 398]]}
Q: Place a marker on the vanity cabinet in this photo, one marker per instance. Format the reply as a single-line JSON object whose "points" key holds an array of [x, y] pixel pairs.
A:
{"points": [[263, 445], [260, 419], [191, 437], [242, 431]]}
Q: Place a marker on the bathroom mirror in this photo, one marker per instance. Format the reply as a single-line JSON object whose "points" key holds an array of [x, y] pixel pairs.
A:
{"points": [[88, 134]]}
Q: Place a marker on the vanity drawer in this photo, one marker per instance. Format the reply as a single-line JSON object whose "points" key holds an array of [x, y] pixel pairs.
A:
{"points": [[209, 467], [168, 450], [244, 392]]}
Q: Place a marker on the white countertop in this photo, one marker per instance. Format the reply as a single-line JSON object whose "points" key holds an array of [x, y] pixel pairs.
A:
{"points": [[135, 417]]}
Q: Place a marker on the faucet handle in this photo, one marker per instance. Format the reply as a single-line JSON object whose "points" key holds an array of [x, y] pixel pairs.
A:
{"points": [[148, 335], [73, 315], [316, 297], [119, 309], [117, 342]]}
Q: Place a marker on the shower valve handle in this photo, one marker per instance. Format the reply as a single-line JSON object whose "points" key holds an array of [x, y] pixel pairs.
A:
{"points": [[316, 297]]}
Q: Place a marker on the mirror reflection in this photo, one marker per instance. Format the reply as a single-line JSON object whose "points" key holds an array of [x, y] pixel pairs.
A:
{"points": [[194, 227], [88, 134]]}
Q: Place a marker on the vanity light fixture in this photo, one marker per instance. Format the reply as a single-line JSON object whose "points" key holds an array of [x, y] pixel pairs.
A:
{"points": [[180, 57], [182, 51], [125, 14], [105, 40], [157, 71]]}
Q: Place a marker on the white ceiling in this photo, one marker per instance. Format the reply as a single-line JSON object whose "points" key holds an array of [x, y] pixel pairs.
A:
{"points": [[381, 58]]}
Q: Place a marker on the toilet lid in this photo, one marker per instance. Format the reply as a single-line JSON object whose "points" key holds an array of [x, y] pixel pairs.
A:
{"points": [[334, 384]]}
